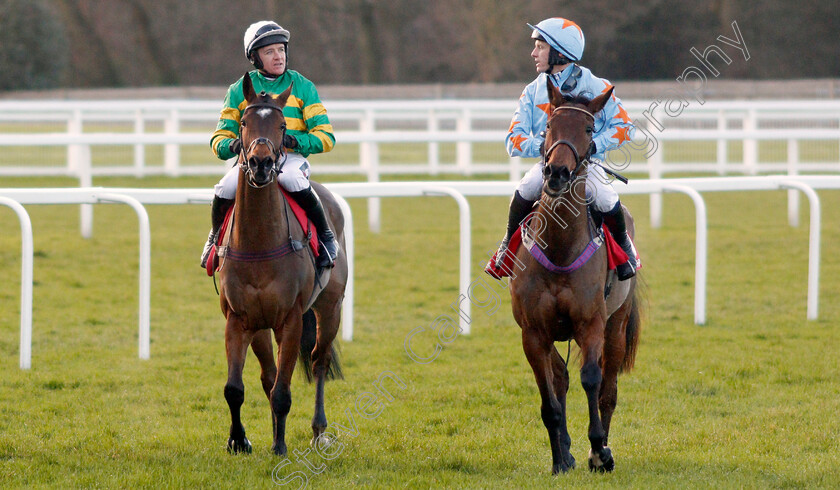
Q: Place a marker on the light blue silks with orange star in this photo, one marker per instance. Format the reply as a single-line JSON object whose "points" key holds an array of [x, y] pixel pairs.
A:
{"points": [[613, 127]]}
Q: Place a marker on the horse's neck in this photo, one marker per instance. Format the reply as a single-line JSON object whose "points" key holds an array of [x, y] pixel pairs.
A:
{"points": [[260, 222], [562, 227]]}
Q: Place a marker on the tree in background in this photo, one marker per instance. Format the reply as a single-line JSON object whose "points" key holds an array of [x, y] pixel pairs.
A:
{"points": [[34, 52], [139, 43]]}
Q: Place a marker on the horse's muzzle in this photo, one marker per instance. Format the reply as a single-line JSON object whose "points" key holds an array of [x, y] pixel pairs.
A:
{"points": [[555, 179], [262, 170]]}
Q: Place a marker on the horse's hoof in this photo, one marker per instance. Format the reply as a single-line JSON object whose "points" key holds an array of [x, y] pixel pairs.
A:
{"points": [[601, 461], [320, 440], [279, 449], [567, 464], [243, 446]]}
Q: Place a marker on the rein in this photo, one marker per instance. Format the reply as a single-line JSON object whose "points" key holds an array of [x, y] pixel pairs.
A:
{"points": [[578, 159], [596, 239], [276, 167]]}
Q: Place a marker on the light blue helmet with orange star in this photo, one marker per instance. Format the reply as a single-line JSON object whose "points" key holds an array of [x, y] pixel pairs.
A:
{"points": [[561, 34]]}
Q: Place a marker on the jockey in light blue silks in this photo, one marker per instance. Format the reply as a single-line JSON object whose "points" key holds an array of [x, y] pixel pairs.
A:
{"points": [[558, 46]]}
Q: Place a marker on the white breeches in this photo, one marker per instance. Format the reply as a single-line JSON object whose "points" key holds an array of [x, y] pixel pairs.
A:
{"points": [[599, 191], [294, 177]]}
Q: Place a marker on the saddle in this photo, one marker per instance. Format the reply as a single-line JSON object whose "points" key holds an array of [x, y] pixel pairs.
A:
{"points": [[221, 250]]}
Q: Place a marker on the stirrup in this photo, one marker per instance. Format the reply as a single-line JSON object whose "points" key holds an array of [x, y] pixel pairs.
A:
{"points": [[327, 253], [628, 269], [211, 242], [625, 271]]}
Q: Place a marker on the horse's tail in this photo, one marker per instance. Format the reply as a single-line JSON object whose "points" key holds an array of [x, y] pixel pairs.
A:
{"points": [[634, 328], [308, 337]]}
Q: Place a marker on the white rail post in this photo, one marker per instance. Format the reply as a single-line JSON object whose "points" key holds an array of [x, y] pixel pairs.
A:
{"points": [[145, 267], [434, 148], [171, 151], [350, 253], [85, 180], [722, 144], [78, 162], [463, 148], [139, 148], [813, 245], [700, 249], [750, 144], [793, 169], [655, 171], [74, 129], [369, 155], [26, 280], [465, 224]]}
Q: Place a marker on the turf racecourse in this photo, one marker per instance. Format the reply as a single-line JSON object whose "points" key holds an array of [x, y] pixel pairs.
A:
{"points": [[749, 400]]}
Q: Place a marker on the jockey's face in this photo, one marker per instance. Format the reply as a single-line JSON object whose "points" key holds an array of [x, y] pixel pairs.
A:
{"points": [[273, 59], [540, 56]]}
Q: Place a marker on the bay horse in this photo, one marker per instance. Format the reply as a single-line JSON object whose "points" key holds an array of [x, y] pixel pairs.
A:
{"points": [[570, 304], [268, 278]]}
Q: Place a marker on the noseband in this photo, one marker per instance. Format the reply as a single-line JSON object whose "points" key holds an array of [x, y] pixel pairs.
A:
{"points": [[578, 159], [276, 152]]}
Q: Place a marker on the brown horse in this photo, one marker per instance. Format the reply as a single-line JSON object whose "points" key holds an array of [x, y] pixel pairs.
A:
{"points": [[569, 302], [268, 278]]}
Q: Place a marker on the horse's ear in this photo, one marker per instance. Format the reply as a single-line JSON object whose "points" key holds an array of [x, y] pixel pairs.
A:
{"points": [[554, 96], [248, 88], [598, 103], [284, 97]]}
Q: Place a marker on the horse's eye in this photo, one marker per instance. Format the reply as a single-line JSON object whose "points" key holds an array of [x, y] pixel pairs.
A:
{"points": [[589, 130], [243, 124]]}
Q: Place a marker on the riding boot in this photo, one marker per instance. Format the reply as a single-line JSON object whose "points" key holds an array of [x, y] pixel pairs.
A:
{"points": [[614, 220], [327, 247], [218, 210], [519, 210]]}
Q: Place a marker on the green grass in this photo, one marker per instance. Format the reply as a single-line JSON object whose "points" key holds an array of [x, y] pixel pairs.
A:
{"points": [[747, 401]]}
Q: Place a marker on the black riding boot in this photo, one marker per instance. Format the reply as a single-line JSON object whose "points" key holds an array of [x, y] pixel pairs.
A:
{"points": [[328, 247], [614, 220], [218, 210], [519, 210]]}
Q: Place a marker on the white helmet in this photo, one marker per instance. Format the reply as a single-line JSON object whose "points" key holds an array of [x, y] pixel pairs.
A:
{"points": [[261, 34], [561, 34]]}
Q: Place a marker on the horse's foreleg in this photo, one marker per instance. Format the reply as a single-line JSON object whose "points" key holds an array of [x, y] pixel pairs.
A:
{"points": [[538, 353], [264, 350], [561, 388], [600, 457], [236, 347], [281, 393]]}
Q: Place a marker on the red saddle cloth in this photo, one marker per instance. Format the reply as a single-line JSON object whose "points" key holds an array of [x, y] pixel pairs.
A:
{"points": [[615, 255], [213, 262]]}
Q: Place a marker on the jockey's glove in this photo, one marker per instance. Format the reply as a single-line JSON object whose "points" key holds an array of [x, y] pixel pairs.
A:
{"points": [[235, 146]]}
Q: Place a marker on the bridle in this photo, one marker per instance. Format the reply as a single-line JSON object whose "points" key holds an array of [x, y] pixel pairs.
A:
{"points": [[277, 152], [578, 160]]}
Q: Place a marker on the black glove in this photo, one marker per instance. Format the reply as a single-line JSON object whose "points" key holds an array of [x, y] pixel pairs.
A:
{"points": [[289, 141], [235, 146]]}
